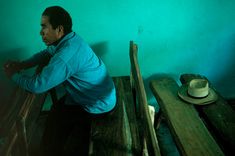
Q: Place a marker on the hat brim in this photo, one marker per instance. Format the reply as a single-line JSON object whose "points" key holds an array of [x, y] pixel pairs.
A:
{"points": [[210, 98]]}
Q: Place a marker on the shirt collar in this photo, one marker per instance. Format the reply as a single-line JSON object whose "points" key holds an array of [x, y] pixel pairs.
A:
{"points": [[64, 38], [57, 42], [56, 45]]}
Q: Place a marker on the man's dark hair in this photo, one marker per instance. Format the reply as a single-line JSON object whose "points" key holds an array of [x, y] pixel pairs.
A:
{"points": [[59, 16]]}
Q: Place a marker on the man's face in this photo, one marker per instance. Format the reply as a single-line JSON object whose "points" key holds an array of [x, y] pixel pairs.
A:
{"points": [[49, 35]]}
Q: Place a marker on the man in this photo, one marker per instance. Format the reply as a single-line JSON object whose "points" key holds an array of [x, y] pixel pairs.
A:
{"points": [[68, 60]]}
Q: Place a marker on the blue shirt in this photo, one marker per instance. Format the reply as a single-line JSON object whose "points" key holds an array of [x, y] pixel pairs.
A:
{"points": [[84, 75]]}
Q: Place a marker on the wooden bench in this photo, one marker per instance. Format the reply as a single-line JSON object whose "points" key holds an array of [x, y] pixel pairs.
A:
{"points": [[122, 132], [17, 122], [126, 131], [117, 134], [129, 130], [149, 137], [219, 117], [193, 127]]}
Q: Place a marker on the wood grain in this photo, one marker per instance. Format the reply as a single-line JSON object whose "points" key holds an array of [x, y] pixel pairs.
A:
{"points": [[220, 117], [117, 133], [191, 135], [14, 131], [142, 107]]}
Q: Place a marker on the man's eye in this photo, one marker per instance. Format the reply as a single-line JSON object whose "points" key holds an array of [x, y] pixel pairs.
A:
{"points": [[43, 26]]}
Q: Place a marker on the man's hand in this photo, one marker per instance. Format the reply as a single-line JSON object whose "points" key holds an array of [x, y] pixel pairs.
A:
{"points": [[12, 67]]}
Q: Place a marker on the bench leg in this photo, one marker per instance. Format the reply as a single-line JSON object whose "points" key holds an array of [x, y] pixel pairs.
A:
{"points": [[158, 118], [22, 138], [145, 149]]}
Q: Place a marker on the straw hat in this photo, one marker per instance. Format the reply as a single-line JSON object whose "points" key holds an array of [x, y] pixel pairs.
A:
{"points": [[197, 92]]}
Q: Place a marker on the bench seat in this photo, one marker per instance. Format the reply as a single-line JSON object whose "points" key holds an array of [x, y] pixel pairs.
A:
{"points": [[117, 134], [220, 117], [189, 132]]}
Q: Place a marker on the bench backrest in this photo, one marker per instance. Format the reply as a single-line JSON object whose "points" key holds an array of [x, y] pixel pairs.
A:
{"points": [[13, 123], [142, 106]]}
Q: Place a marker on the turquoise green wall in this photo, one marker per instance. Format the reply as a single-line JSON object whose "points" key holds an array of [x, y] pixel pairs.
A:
{"points": [[174, 36]]}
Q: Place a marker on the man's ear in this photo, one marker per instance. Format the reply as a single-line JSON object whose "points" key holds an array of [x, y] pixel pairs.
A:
{"points": [[60, 29]]}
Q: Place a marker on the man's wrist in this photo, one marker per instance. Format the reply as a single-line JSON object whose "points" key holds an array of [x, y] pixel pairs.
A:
{"points": [[22, 65]]}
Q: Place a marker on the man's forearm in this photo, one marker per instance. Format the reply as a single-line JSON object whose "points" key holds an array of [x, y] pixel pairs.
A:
{"points": [[26, 65], [39, 59]]}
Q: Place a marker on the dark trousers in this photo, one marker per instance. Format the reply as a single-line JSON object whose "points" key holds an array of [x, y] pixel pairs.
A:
{"points": [[67, 131]]}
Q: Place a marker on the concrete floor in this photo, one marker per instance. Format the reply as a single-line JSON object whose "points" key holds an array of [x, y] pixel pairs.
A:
{"points": [[166, 142]]}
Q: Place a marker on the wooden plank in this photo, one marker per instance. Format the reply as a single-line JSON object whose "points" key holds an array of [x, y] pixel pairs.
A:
{"points": [[131, 113], [149, 133], [22, 142], [34, 113], [29, 112], [190, 134], [219, 115], [8, 117], [112, 134], [9, 141], [12, 125]]}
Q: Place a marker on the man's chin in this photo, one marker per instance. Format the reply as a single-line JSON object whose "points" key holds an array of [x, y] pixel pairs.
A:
{"points": [[47, 43]]}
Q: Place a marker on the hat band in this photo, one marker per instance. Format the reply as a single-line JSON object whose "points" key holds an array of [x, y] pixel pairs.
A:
{"points": [[202, 97]]}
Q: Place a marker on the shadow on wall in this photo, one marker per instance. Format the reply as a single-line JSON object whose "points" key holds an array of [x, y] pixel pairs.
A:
{"points": [[6, 85], [100, 48], [225, 83], [13, 54]]}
